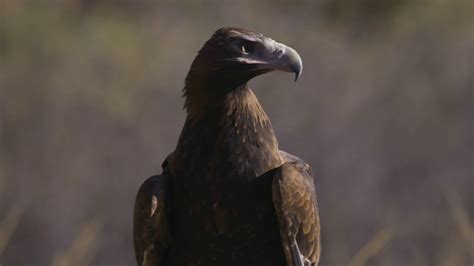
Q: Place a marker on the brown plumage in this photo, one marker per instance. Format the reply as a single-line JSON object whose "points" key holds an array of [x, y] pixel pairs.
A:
{"points": [[227, 194]]}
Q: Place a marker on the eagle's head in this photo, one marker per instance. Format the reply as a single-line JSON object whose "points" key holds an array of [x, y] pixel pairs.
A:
{"points": [[228, 60], [233, 56]]}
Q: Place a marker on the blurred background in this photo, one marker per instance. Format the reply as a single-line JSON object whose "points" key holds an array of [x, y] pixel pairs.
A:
{"points": [[90, 105]]}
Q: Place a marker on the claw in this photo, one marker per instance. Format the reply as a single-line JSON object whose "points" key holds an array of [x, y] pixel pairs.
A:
{"points": [[154, 205]]}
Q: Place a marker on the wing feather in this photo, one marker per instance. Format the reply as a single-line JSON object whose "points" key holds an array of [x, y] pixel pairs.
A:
{"points": [[294, 199], [150, 228]]}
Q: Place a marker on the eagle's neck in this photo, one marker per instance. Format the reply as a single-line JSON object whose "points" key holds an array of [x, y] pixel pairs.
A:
{"points": [[235, 134], [247, 138]]}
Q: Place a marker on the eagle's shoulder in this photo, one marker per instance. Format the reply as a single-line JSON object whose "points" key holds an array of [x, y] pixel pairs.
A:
{"points": [[291, 158]]}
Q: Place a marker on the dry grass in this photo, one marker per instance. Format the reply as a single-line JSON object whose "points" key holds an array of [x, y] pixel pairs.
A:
{"points": [[83, 249], [462, 222], [372, 247]]}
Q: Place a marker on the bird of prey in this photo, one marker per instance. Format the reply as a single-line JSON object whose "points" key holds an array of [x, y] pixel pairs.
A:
{"points": [[227, 195]]}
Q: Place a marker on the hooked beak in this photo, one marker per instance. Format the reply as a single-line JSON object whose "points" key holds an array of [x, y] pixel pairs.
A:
{"points": [[278, 56], [288, 60]]}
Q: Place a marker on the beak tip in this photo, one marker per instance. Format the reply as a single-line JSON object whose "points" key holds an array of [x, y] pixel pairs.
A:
{"points": [[297, 75], [297, 65]]}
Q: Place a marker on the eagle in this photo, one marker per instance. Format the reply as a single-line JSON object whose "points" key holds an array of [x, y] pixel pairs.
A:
{"points": [[227, 195]]}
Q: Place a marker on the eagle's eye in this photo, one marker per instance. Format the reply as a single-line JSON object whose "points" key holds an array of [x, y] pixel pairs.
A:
{"points": [[247, 47]]}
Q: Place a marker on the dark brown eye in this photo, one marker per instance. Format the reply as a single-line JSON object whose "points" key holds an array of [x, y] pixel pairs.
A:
{"points": [[247, 47]]}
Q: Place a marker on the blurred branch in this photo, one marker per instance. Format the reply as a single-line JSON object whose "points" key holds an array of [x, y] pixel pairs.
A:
{"points": [[372, 248], [83, 249], [9, 224], [461, 218]]}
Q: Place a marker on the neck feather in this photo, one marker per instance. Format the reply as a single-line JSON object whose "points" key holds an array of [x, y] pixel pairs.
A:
{"points": [[239, 134]]}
